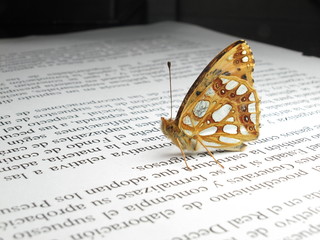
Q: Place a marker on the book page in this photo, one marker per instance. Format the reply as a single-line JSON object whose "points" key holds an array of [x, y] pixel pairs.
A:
{"points": [[83, 156]]}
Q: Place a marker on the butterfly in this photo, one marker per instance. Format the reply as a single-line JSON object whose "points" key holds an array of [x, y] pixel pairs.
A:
{"points": [[221, 109]]}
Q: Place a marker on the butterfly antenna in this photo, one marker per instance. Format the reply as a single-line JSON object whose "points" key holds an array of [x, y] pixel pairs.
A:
{"points": [[169, 67]]}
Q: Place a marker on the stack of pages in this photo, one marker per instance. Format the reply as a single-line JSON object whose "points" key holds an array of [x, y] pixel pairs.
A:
{"points": [[82, 155]]}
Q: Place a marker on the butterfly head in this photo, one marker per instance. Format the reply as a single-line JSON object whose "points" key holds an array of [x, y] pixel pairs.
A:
{"points": [[168, 127]]}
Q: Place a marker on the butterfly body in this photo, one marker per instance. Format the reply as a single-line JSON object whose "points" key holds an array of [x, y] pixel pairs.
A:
{"points": [[221, 109], [171, 130]]}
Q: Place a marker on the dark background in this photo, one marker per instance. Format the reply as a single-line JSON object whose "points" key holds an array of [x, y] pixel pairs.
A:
{"points": [[293, 24]]}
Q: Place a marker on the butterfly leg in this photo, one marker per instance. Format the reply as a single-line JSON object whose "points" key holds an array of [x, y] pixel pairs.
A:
{"points": [[210, 153], [183, 154]]}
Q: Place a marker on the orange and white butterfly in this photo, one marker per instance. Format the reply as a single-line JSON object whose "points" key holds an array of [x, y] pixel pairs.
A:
{"points": [[221, 109]]}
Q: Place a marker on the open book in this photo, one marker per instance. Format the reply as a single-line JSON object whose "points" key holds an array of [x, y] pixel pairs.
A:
{"points": [[82, 155]]}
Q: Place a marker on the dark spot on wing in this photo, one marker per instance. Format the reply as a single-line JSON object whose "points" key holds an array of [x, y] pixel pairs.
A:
{"points": [[243, 108], [244, 77], [217, 71], [226, 73]]}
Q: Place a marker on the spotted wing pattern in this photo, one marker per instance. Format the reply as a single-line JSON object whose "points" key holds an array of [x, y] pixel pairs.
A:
{"points": [[222, 108]]}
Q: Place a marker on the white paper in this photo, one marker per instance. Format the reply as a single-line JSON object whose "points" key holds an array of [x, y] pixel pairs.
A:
{"points": [[83, 157]]}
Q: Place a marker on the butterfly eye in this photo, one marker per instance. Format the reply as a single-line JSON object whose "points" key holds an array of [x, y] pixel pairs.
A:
{"points": [[246, 118], [169, 129]]}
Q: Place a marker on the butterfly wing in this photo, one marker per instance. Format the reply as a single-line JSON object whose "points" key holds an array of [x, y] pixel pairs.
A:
{"points": [[221, 108]]}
